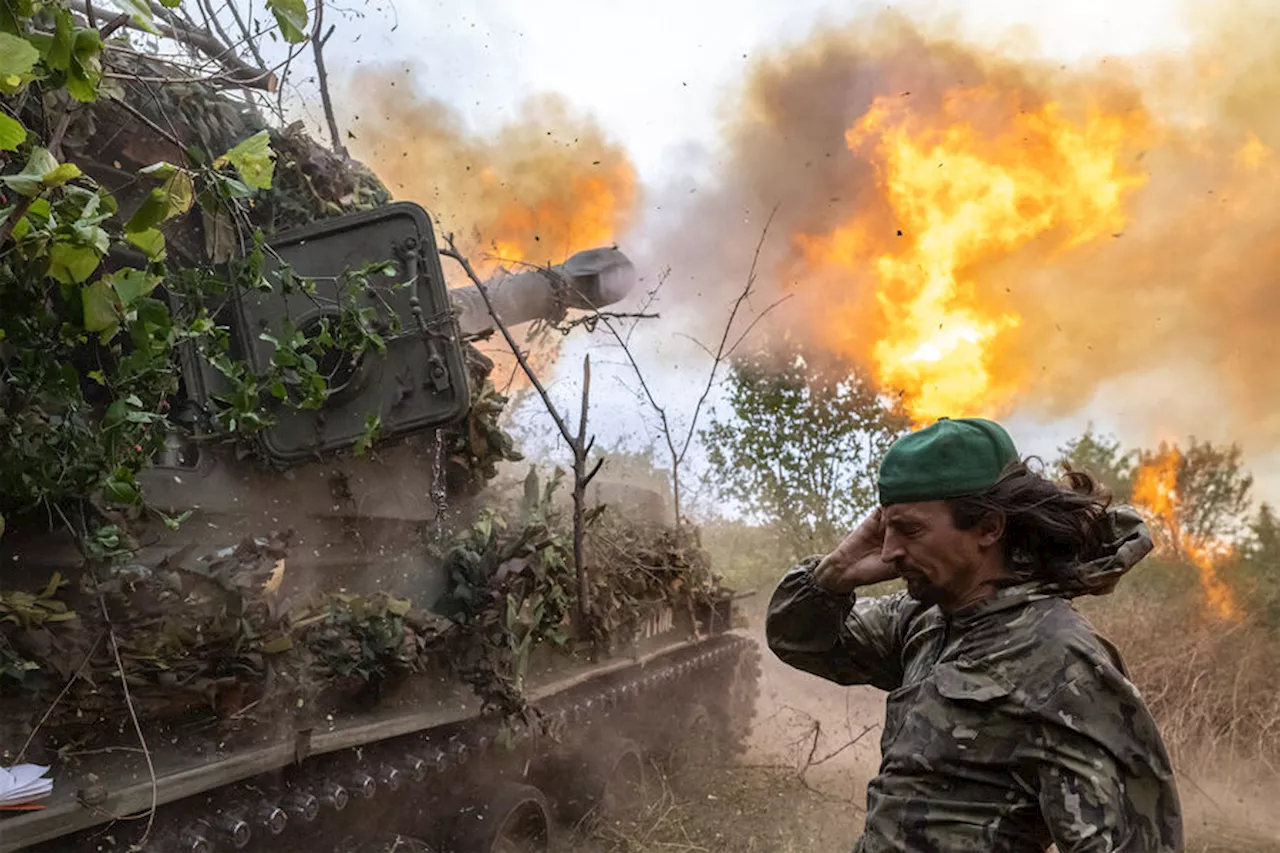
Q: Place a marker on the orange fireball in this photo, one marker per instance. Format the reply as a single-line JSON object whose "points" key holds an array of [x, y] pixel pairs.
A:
{"points": [[968, 184]]}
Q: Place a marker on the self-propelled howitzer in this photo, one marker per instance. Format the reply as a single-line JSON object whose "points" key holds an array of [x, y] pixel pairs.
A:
{"points": [[276, 672]]}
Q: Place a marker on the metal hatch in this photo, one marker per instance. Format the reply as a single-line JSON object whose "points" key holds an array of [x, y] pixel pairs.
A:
{"points": [[418, 383]]}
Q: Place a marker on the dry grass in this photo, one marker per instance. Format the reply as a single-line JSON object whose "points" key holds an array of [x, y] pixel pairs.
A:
{"points": [[744, 809], [1211, 684], [768, 810]]}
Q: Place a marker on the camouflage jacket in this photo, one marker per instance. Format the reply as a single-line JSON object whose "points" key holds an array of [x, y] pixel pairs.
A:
{"points": [[1009, 725]]}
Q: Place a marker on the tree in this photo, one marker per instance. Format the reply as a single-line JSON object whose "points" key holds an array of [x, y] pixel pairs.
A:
{"points": [[1102, 457], [1260, 563], [1211, 489], [802, 443], [1262, 544]]}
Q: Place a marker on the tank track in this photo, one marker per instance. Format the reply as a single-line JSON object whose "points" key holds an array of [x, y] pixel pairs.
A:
{"points": [[417, 787]]}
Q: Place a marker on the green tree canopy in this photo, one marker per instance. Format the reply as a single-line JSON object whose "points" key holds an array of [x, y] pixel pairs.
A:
{"points": [[1102, 457], [800, 443]]}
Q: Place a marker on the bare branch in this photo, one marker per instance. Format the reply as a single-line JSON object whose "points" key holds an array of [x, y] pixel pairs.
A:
{"points": [[244, 30], [452, 252], [211, 21], [650, 298], [586, 393], [142, 117], [753, 323], [699, 344], [586, 481], [237, 70], [133, 715], [721, 352], [111, 26], [317, 44]]}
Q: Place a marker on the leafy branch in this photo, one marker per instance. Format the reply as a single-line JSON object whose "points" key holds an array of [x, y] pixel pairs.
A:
{"points": [[578, 442]]}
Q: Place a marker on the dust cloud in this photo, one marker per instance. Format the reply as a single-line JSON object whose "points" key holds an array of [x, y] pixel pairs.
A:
{"points": [[540, 187]]}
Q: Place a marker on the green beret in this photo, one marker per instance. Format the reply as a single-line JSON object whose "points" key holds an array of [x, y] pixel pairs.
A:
{"points": [[950, 459]]}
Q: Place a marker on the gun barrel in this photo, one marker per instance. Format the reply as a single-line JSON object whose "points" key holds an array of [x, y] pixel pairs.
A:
{"points": [[590, 279]]}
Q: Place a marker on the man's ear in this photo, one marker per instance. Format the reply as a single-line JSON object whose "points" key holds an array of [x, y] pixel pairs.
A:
{"points": [[990, 528]]}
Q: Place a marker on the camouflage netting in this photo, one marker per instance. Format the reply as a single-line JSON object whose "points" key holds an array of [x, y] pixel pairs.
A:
{"points": [[310, 183], [211, 636], [201, 635]]}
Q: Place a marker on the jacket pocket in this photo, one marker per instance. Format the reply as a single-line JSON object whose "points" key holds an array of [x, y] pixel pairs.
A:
{"points": [[965, 683]]}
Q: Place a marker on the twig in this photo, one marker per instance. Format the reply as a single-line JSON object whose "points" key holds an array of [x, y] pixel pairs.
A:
{"points": [[724, 351], [322, 75], [580, 481], [65, 689], [650, 298], [211, 20], [244, 30], [111, 26], [15, 216], [720, 351], [133, 715], [452, 252], [240, 71], [142, 117]]}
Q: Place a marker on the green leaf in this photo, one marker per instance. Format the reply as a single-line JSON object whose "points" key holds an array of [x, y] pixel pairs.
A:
{"points": [[253, 159], [98, 302], [60, 175], [71, 264], [140, 12], [131, 285], [175, 522], [84, 78], [291, 15], [398, 606], [12, 133], [58, 56], [121, 488], [158, 170], [18, 56], [41, 173], [180, 192], [12, 15], [149, 241], [172, 198], [150, 213], [30, 180], [82, 89]]}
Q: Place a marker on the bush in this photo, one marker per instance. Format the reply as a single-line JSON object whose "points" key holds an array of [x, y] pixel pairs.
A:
{"points": [[1209, 682]]}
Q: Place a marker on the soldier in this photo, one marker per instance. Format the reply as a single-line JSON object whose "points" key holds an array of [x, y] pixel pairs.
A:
{"points": [[1010, 724]]}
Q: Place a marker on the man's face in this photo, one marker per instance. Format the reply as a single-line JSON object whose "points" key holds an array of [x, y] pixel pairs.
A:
{"points": [[938, 561]]}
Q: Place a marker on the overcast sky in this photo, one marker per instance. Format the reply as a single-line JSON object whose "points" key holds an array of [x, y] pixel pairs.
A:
{"points": [[655, 73]]}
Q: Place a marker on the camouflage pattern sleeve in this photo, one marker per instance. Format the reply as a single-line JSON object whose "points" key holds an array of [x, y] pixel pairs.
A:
{"points": [[1106, 783], [835, 636]]}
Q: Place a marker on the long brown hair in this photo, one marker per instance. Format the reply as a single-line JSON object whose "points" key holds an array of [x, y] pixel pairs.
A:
{"points": [[1051, 526]]}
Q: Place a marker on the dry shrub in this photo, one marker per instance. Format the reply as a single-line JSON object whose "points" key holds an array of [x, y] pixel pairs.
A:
{"points": [[1211, 683]]}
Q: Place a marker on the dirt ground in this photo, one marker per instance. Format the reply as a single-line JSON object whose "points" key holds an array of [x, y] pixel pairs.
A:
{"points": [[801, 787]]}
